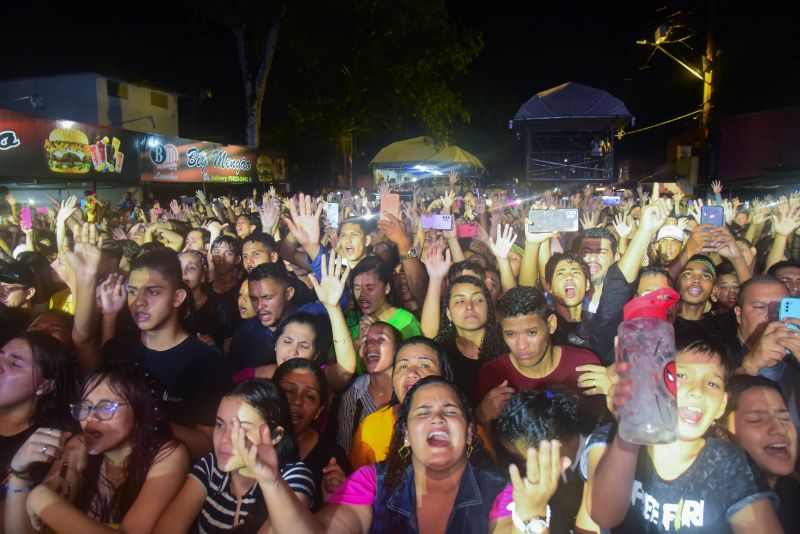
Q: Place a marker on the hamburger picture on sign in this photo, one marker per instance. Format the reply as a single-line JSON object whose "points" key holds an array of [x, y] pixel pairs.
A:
{"points": [[68, 151]]}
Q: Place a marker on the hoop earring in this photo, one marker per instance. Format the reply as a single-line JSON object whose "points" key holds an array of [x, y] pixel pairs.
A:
{"points": [[404, 452]]}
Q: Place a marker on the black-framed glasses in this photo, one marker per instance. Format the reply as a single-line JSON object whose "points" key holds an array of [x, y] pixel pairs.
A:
{"points": [[103, 410]]}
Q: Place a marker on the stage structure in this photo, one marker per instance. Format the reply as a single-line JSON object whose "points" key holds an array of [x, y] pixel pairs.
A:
{"points": [[568, 133]]}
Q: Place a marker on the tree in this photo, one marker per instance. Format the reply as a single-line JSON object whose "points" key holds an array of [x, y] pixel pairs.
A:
{"points": [[358, 68], [255, 27]]}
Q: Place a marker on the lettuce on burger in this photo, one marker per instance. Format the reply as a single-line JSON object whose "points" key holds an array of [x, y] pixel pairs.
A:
{"points": [[68, 151]]}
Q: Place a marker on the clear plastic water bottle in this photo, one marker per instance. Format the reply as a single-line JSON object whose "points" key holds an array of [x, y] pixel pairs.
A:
{"points": [[647, 343]]}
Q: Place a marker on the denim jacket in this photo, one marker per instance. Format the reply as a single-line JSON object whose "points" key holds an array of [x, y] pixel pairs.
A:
{"points": [[395, 509]]}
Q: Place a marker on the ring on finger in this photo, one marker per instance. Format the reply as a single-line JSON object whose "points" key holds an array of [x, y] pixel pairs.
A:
{"points": [[44, 449], [50, 432]]}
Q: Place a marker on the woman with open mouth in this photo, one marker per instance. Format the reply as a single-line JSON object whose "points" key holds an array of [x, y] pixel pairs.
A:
{"points": [[761, 425], [306, 389], [415, 359], [436, 477], [119, 473]]}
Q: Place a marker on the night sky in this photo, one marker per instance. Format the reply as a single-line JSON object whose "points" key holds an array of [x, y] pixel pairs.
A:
{"points": [[528, 47]]}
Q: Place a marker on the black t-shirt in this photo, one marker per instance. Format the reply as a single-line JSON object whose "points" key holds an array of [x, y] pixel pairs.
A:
{"points": [[616, 293], [194, 376], [9, 445], [227, 303], [721, 481], [320, 455], [788, 490], [465, 373], [716, 324], [302, 293], [573, 334], [217, 320]]}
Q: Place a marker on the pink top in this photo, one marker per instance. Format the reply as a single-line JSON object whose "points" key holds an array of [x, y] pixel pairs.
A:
{"points": [[361, 487]]}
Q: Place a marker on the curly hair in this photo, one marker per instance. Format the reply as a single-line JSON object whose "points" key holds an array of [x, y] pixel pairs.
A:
{"points": [[530, 417], [396, 465], [492, 344], [523, 300]]}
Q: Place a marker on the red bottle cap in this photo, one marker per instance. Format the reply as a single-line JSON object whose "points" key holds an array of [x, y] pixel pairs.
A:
{"points": [[655, 304]]}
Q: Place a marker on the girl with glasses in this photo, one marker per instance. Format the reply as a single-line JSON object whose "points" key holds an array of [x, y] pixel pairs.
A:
{"points": [[119, 473]]}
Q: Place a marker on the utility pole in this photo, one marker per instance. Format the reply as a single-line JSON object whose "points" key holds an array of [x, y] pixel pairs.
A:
{"points": [[665, 35]]}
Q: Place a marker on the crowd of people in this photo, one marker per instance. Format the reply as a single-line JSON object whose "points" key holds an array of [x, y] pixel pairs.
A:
{"points": [[256, 364]]}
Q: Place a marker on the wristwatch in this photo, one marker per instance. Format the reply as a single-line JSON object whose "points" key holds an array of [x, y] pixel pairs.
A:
{"points": [[536, 525], [412, 253]]}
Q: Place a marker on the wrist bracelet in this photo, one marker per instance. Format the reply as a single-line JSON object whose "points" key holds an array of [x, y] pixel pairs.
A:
{"points": [[22, 475], [9, 489]]}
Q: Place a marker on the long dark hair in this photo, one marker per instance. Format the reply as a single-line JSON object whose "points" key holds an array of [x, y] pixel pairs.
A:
{"points": [[150, 439], [374, 264], [51, 362], [396, 465], [492, 344], [270, 402], [310, 366]]}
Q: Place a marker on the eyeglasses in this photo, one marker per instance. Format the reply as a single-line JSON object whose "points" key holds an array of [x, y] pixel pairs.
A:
{"points": [[103, 410]]}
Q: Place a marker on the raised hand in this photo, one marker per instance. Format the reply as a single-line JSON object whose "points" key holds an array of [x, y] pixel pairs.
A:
{"points": [[394, 230], [696, 208], [716, 187], [453, 176], [269, 212], [787, 220], [437, 260], [654, 215], [333, 282], [448, 200], [261, 459], [118, 234], [730, 211], [384, 189], [84, 260], [501, 245], [543, 469], [66, 210], [621, 227], [201, 197], [304, 221], [587, 221], [113, 296]]}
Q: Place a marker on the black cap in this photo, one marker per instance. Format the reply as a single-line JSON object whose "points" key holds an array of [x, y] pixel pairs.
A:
{"points": [[16, 273]]}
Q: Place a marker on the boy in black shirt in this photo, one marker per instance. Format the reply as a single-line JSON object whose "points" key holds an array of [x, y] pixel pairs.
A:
{"points": [[695, 484], [194, 375]]}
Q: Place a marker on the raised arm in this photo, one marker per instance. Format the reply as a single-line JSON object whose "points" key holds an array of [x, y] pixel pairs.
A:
{"points": [[303, 224], [437, 262], [653, 216], [501, 247], [289, 512], [84, 262], [784, 223], [452, 237], [529, 272], [394, 230], [64, 213], [329, 291]]}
